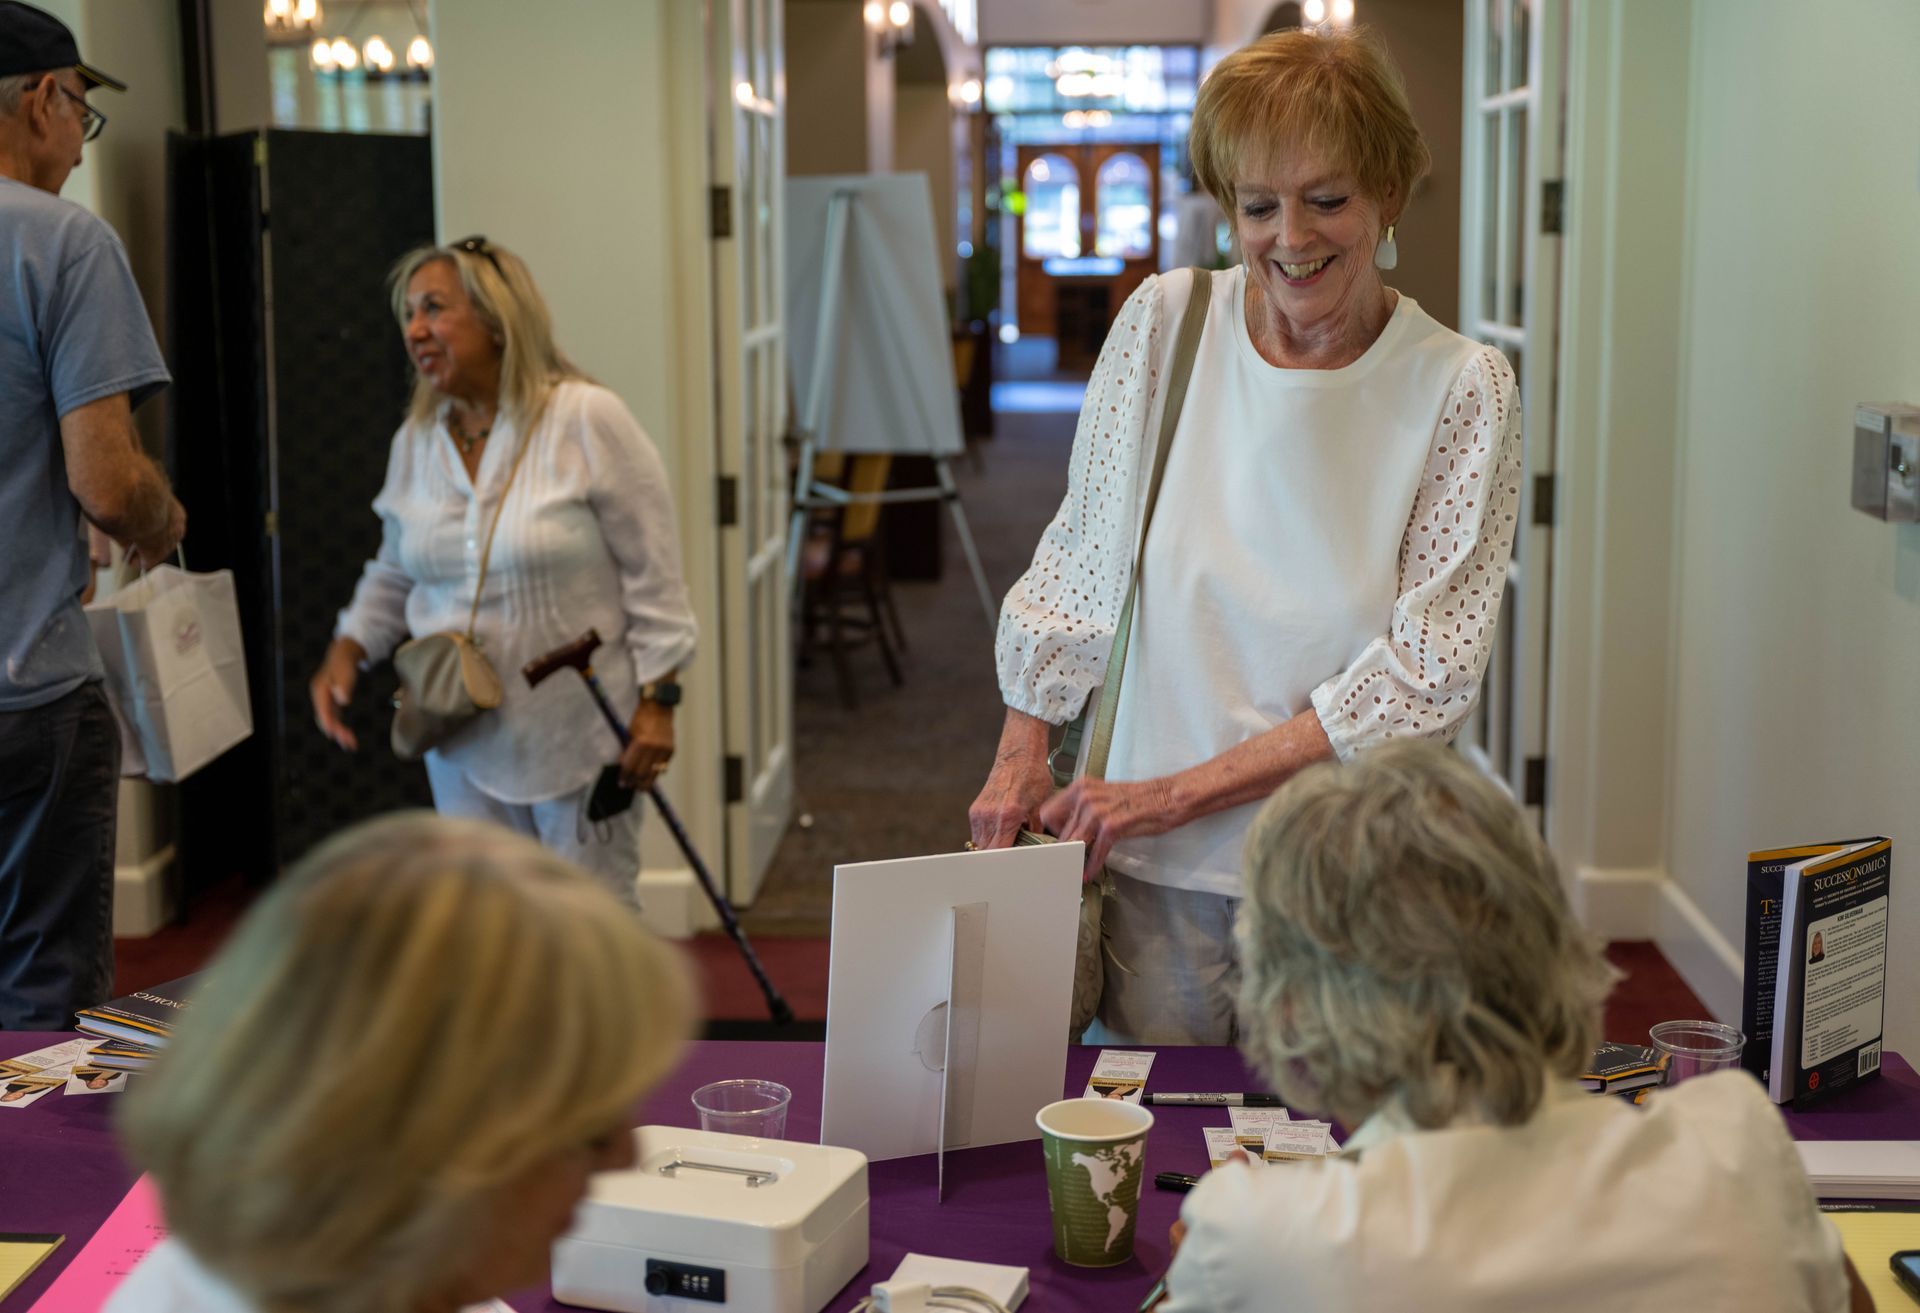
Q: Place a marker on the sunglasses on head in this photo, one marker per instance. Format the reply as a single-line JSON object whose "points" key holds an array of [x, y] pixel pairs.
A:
{"points": [[478, 245]]}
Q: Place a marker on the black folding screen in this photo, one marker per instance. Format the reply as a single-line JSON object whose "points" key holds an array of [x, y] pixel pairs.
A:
{"points": [[290, 381]]}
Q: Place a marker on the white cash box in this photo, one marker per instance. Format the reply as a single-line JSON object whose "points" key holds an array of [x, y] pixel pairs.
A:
{"points": [[708, 1220]]}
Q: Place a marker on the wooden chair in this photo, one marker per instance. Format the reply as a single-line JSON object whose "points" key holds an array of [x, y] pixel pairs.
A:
{"points": [[844, 576]]}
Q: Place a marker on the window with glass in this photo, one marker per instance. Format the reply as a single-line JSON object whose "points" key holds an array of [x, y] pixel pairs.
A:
{"points": [[1052, 226], [1124, 221]]}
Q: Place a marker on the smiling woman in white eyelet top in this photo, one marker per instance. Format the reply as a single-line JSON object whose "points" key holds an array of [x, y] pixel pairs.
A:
{"points": [[1327, 550]]}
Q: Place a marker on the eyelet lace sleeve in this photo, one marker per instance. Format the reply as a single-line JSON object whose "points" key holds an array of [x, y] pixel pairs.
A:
{"points": [[1057, 623], [1421, 677]]}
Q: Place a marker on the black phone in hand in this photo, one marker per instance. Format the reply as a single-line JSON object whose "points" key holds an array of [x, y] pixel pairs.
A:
{"points": [[609, 797]]}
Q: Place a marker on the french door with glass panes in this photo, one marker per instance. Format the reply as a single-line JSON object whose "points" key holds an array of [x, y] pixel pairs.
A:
{"points": [[1509, 297], [747, 92]]}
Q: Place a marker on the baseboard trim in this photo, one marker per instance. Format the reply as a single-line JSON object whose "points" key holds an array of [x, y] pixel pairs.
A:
{"points": [[144, 895], [672, 903], [1617, 902], [1699, 952], [1643, 903]]}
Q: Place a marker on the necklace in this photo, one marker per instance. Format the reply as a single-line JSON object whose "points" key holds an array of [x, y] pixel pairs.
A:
{"points": [[467, 441]]}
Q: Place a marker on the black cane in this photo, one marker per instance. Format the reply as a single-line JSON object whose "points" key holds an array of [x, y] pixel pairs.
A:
{"points": [[578, 655]]}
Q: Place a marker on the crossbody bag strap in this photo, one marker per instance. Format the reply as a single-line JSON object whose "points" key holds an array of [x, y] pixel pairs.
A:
{"points": [[1185, 348], [486, 548]]}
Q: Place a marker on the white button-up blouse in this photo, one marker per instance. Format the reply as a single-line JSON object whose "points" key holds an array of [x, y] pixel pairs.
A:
{"points": [[586, 540]]}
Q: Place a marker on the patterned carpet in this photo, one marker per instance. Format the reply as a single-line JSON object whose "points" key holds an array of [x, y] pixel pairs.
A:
{"points": [[894, 778]]}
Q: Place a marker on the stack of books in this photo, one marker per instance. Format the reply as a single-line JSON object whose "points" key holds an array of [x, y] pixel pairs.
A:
{"points": [[136, 1027], [1813, 1002], [1862, 1169], [1624, 1069]]}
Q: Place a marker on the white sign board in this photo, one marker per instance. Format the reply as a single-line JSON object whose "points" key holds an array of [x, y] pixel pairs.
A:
{"points": [[949, 994]]}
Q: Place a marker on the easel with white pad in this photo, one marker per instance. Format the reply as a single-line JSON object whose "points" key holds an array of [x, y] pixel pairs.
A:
{"points": [[876, 374]]}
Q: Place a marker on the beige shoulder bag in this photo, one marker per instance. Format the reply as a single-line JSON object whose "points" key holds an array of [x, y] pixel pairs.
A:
{"points": [[445, 679], [1089, 967]]}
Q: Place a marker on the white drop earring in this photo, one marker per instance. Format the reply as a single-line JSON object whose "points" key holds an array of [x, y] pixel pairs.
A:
{"points": [[1387, 254]]}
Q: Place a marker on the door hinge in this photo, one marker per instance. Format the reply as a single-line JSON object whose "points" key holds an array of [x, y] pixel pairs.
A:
{"points": [[1534, 794], [736, 779], [1544, 488], [720, 218], [1553, 206], [727, 497]]}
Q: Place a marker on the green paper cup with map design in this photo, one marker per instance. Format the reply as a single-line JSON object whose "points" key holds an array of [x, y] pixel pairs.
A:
{"points": [[1096, 1151]]}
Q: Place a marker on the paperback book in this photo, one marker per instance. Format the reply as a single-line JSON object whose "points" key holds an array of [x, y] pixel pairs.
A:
{"points": [[1827, 971], [1620, 1068], [145, 1017]]}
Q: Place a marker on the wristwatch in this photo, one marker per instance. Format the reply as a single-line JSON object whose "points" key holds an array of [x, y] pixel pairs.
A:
{"points": [[663, 691]]}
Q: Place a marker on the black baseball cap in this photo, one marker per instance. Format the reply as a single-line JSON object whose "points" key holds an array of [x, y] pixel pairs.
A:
{"points": [[34, 41]]}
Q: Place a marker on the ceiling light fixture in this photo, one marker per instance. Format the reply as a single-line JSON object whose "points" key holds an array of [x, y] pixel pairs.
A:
{"points": [[291, 22]]}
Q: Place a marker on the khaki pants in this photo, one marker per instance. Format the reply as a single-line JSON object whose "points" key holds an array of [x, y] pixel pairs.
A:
{"points": [[1178, 971]]}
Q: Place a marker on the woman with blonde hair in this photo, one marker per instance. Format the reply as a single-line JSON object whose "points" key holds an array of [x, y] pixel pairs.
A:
{"points": [[1412, 968], [1328, 535], [523, 501], [392, 1084]]}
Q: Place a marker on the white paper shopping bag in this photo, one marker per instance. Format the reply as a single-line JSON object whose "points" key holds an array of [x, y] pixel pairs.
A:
{"points": [[176, 671]]}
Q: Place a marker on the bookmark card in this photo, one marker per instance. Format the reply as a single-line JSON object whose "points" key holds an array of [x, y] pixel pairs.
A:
{"points": [[22, 1091], [55, 1060], [1224, 1141], [96, 1080], [1257, 1121], [1297, 1142], [1119, 1074]]}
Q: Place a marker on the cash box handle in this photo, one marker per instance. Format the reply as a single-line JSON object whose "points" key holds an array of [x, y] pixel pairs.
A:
{"points": [[754, 1176]]}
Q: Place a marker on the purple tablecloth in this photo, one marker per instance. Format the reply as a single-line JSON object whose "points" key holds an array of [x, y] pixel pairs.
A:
{"points": [[61, 1171]]}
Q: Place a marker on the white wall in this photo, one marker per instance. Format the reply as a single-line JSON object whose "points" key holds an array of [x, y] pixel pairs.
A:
{"points": [[1765, 280], [1619, 398], [575, 133], [923, 143], [1796, 708]]}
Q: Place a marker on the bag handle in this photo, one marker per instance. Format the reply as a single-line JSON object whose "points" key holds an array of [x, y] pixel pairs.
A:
{"points": [[486, 549], [1186, 347]]}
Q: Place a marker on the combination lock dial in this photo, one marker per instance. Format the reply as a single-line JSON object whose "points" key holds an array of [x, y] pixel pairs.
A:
{"points": [[685, 1281]]}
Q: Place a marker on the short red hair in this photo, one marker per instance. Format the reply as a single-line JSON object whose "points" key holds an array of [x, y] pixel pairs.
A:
{"points": [[1338, 94]]}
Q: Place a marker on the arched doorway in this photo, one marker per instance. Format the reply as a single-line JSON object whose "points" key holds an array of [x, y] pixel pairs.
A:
{"points": [[1087, 238]]}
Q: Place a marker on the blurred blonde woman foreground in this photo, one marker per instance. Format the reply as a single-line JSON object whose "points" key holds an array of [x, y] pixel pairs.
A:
{"points": [[395, 1080], [1412, 968]]}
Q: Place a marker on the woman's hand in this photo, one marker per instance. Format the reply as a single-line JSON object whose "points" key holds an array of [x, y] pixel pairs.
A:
{"points": [[1100, 813], [1019, 782], [649, 745], [332, 688]]}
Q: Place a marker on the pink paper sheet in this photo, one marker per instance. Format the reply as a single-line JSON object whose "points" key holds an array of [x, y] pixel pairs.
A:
{"points": [[121, 1242]]}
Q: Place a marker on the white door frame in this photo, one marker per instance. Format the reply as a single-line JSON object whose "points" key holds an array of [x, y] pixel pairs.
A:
{"points": [[1511, 165], [747, 108]]}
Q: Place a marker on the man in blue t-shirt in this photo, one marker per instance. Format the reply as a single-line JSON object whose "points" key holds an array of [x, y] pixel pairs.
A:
{"points": [[77, 355]]}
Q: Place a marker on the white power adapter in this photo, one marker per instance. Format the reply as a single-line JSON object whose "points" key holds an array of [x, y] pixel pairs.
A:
{"points": [[902, 1297]]}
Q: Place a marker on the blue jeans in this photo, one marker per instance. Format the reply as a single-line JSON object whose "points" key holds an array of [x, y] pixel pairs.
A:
{"points": [[59, 788]]}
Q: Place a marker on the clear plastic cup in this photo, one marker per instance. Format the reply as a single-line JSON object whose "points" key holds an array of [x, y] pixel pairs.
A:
{"points": [[744, 1107], [1694, 1048]]}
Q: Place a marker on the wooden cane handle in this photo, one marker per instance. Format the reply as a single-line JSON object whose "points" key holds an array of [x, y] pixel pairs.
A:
{"points": [[577, 655]]}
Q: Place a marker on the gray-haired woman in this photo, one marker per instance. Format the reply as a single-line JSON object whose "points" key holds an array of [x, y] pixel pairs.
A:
{"points": [[1412, 968]]}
